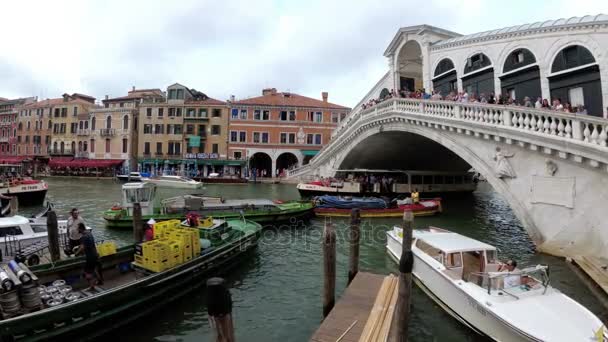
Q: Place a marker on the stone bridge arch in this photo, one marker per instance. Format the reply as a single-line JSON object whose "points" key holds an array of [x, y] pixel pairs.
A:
{"points": [[484, 164]]}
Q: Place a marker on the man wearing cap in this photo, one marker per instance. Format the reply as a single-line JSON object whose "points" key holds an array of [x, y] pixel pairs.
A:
{"points": [[149, 230], [73, 234]]}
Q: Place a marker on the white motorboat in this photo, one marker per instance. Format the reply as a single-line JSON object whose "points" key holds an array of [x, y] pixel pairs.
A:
{"points": [[461, 275], [130, 177], [174, 182], [22, 236]]}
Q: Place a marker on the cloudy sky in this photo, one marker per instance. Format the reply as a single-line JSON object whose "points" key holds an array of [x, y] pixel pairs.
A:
{"points": [[230, 47]]}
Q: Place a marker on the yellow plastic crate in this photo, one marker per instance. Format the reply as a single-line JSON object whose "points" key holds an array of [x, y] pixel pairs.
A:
{"points": [[157, 265], [173, 223], [205, 222], [176, 259], [195, 241]]}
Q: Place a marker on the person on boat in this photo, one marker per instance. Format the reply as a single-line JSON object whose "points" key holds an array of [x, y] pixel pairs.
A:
{"points": [[148, 232], [510, 280], [73, 234], [92, 266], [415, 196]]}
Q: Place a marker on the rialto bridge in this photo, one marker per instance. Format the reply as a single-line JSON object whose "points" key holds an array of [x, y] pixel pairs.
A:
{"points": [[557, 182]]}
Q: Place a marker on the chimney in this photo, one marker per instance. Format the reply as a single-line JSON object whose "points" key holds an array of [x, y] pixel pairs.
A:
{"points": [[133, 88], [269, 91], [107, 97], [232, 98], [324, 96]]}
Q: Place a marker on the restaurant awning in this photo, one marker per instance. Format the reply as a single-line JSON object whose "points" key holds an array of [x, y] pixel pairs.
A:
{"points": [[12, 159], [86, 163], [310, 153]]}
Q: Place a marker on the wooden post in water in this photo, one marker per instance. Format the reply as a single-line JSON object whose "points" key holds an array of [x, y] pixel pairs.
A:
{"points": [[401, 318], [219, 308], [355, 237], [329, 268], [53, 235], [35, 169], [138, 229], [14, 205]]}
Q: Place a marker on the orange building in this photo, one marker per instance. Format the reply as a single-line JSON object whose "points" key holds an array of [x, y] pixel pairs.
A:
{"points": [[280, 130]]}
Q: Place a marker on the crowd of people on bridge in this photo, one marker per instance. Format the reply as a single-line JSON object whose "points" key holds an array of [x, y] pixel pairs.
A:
{"points": [[490, 98]]}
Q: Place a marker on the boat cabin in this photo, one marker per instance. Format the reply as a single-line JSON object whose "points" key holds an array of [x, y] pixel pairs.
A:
{"points": [[140, 192]]}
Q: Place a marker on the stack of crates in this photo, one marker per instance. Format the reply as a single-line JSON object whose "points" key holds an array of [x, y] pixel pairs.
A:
{"points": [[195, 240], [161, 229], [106, 248], [155, 256], [185, 239]]}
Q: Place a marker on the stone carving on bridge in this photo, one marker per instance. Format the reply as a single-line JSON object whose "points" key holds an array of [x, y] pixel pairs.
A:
{"points": [[550, 167], [503, 167]]}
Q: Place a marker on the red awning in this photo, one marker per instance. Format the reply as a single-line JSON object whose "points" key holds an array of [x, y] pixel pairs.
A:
{"points": [[12, 160], [86, 163]]}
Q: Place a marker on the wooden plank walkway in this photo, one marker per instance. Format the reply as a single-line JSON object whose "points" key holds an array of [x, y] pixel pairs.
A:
{"points": [[595, 268], [355, 305]]}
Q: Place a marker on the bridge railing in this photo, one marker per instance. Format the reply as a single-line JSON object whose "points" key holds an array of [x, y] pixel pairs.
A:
{"points": [[580, 129]]}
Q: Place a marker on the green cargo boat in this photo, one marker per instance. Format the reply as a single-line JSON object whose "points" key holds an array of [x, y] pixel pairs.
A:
{"points": [[127, 293], [258, 210]]}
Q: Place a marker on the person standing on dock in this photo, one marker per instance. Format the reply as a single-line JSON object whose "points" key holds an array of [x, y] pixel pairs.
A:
{"points": [[415, 196], [74, 236]]}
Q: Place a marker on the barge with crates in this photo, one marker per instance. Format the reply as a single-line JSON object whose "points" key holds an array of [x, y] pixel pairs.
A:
{"points": [[258, 210], [138, 279]]}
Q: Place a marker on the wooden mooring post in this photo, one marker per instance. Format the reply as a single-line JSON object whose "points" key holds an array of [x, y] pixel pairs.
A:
{"points": [[219, 308], [401, 318], [53, 235], [14, 205], [354, 237], [329, 268], [138, 229]]}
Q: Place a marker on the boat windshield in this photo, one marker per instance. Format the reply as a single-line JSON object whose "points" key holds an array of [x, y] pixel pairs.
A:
{"points": [[139, 195], [513, 283], [184, 179]]}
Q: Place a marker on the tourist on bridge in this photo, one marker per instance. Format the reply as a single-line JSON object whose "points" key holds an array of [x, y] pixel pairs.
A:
{"points": [[73, 234]]}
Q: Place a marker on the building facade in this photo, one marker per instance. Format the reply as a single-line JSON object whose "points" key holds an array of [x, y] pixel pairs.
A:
{"points": [[9, 112], [183, 131], [280, 130], [557, 59]]}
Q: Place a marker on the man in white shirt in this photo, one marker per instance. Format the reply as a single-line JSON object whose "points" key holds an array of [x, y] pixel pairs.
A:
{"points": [[539, 103], [73, 234], [510, 280]]}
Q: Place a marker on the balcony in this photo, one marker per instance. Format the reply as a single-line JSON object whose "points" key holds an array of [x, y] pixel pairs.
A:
{"points": [[59, 152], [83, 132], [3, 139], [82, 154], [107, 132]]}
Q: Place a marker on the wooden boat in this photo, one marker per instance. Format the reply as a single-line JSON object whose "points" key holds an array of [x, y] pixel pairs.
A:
{"points": [[426, 207], [461, 275], [178, 182], [258, 210], [127, 294]]}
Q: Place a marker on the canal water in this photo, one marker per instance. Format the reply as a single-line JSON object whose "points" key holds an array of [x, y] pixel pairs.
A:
{"points": [[277, 290]]}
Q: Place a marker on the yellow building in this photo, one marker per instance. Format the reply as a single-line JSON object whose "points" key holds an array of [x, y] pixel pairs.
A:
{"points": [[111, 132], [65, 117], [185, 131]]}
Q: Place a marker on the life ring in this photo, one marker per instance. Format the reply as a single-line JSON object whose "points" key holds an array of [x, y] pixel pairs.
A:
{"points": [[116, 207]]}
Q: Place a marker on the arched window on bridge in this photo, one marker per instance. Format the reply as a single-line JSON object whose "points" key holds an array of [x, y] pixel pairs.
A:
{"points": [[478, 75], [521, 76], [445, 79], [575, 78], [409, 66]]}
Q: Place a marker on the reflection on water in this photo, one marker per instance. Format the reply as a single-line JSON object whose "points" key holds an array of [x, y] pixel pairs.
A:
{"points": [[277, 289]]}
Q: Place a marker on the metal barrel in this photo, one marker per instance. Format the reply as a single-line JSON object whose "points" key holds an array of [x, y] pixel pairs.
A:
{"points": [[6, 282], [9, 302], [23, 276], [30, 296]]}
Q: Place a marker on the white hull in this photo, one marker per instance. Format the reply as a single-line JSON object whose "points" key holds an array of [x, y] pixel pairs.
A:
{"points": [[472, 306], [172, 184]]}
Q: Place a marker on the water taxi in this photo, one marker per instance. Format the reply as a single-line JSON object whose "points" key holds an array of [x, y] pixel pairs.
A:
{"points": [[462, 275], [360, 182], [258, 210], [178, 182], [30, 192], [65, 309]]}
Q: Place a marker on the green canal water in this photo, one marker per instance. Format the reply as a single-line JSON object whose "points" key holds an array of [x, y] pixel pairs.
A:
{"points": [[277, 290]]}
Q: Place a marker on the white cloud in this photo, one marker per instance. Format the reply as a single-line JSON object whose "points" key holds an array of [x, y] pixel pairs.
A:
{"points": [[229, 47]]}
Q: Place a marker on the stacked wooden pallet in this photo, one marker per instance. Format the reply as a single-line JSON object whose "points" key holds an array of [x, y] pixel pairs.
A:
{"points": [[379, 321]]}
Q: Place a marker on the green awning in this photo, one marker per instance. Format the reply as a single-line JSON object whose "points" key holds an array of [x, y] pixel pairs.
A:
{"points": [[222, 162], [311, 153]]}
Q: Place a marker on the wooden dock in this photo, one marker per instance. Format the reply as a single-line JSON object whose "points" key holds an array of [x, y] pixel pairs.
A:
{"points": [[347, 319]]}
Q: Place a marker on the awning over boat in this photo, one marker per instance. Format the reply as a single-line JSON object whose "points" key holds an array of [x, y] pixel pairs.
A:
{"points": [[310, 153], [86, 163]]}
